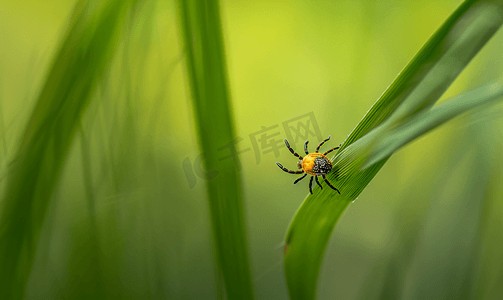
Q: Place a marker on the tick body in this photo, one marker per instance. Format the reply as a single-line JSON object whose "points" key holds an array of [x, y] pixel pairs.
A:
{"points": [[314, 164]]}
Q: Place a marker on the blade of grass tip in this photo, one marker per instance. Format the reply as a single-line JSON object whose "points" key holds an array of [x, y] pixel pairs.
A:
{"points": [[207, 74], [461, 45], [415, 72], [458, 48], [313, 223], [424, 122], [77, 67]]}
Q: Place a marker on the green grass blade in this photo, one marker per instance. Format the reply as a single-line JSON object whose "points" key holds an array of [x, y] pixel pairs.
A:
{"points": [[438, 49], [206, 66], [424, 122], [454, 52], [77, 68], [417, 87]]}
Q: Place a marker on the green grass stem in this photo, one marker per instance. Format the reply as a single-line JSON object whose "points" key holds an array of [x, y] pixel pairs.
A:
{"points": [[415, 90], [207, 74]]}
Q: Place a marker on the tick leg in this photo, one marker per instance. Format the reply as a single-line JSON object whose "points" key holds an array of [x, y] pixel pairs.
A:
{"points": [[321, 144], [316, 177], [330, 185], [288, 171], [311, 185], [330, 150], [300, 178], [291, 150], [305, 147]]}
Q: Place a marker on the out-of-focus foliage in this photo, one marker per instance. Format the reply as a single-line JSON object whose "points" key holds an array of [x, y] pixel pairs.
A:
{"points": [[128, 216], [207, 72], [75, 72]]}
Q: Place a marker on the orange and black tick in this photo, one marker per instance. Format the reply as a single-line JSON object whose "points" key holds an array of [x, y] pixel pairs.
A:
{"points": [[315, 164]]}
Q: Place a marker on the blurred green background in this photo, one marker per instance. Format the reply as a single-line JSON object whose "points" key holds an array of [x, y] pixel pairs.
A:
{"points": [[129, 216]]}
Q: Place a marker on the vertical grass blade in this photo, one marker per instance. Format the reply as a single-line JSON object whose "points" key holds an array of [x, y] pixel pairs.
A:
{"points": [[202, 35], [76, 69], [418, 87]]}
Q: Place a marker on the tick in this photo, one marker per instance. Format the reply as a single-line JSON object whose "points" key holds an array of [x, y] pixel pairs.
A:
{"points": [[315, 164]]}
